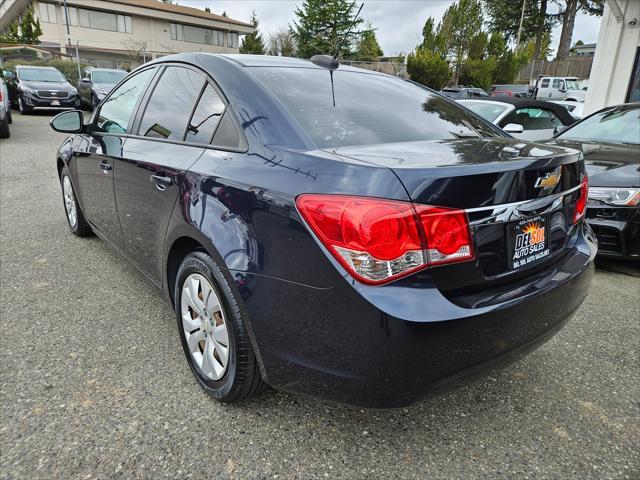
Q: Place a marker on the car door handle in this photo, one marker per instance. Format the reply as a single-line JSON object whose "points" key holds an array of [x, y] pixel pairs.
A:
{"points": [[105, 167], [161, 181]]}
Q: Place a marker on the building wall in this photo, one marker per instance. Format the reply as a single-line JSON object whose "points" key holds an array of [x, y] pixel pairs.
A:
{"points": [[151, 30], [614, 57]]}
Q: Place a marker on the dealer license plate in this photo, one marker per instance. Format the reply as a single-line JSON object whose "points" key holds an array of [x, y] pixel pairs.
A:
{"points": [[527, 242]]}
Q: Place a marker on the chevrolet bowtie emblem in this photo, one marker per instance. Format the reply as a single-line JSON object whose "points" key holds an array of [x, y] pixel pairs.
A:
{"points": [[550, 180]]}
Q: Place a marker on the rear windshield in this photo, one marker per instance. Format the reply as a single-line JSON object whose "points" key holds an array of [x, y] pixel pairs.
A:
{"points": [[614, 126], [40, 75], [369, 108], [489, 111], [105, 76]]}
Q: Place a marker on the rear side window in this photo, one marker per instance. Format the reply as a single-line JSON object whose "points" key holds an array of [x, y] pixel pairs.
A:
{"points": [[545, 83], [369, 108], [171, 103], [206, 117], [116, 111]]}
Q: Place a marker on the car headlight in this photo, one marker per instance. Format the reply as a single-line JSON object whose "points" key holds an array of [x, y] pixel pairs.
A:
{"points": [[73, 91], [629, 197], [28, 90]]}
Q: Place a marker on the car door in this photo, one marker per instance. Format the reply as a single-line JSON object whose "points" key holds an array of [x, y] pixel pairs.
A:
{"points": [[156, 158], [94, 163]]}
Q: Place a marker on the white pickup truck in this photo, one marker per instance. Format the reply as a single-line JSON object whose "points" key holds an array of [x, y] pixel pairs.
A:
{"points": [[559, 88]]}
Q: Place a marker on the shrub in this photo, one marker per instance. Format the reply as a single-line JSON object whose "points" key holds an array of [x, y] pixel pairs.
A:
{"points": [[428, 68]]}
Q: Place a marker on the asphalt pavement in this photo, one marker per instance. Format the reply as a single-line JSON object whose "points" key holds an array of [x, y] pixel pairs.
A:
{"points": [[93, 383]]}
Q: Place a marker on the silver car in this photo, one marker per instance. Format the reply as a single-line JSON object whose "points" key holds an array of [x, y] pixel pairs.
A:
{"points": [[5, 110]]}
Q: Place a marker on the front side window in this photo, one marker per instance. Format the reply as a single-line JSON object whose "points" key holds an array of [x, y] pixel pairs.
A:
{"points": [[533, 119], [559, 84], [169, 108], [369, 108], [618, 125], [206, 117], [116, 112], [40, 75]]}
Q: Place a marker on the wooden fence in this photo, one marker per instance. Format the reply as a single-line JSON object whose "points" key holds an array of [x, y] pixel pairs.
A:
{"points": [[570, 67]]}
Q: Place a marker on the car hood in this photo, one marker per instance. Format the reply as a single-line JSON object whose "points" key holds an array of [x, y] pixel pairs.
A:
{"points": [[608, 164], [64, 86]]}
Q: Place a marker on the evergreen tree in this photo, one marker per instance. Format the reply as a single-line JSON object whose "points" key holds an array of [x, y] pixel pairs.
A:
{"points": [[428, 68], [322, 26], [253, 42], [30, 27], [368, 46]]}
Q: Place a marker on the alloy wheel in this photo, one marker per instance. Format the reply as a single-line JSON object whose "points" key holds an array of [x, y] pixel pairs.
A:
{"points": [[205, 327], [69, 201]]}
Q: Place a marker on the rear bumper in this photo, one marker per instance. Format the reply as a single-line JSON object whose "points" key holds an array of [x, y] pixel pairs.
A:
{"points": [[392, 346], [617, 230]]}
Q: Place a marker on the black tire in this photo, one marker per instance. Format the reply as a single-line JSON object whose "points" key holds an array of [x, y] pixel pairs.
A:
{"points": [[4, 127], [9, 115], [81, 227], [24, 110], [242, 378]]}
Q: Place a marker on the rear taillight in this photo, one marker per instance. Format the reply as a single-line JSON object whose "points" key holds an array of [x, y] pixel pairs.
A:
{"points": [[581, 203], [379, 240]]}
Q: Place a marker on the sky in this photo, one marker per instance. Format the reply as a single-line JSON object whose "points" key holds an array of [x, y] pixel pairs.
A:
{"points": [[398, 22]]}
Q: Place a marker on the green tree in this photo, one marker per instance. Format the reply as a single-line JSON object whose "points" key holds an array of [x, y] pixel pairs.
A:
{"points": [[477, 72], [428, 68], [28, 31], [460, 23], [368, 47], [253, 42], [30, 27], [282, 43], [322, 26], [478, 46]]}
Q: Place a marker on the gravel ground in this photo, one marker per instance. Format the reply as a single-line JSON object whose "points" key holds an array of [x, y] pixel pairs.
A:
{"points": [[93, 382]]}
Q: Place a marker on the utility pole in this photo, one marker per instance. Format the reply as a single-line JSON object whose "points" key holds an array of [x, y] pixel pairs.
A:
{"points": [[519, 29]]}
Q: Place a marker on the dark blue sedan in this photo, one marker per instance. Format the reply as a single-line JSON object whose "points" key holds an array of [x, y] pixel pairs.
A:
{"points": [[341, 233]]}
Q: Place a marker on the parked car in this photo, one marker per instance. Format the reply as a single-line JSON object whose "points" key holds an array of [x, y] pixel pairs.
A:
{"points": [[41, 88], [509, 91], [522, 118], [366, 251], [610, 142], [559, 88], [5, 110], [575, 109], [96, 83], [463, 92]]}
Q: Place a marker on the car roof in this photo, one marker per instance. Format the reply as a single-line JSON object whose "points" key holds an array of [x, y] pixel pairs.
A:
{"points": [[273, 61], [36, 66]]}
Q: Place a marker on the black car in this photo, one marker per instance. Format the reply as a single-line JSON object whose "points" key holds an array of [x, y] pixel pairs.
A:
{"points": [[41, 88], [97, 83], [366, 252], [460, 92], [610, 142]]}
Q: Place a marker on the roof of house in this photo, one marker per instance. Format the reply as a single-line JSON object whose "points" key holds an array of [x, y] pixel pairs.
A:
{"points": [[169, 7]]}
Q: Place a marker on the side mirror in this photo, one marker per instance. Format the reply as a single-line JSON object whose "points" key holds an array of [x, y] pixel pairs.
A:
{"points": [[563, 90], [71, 121], [513, 128], [85, 80]]}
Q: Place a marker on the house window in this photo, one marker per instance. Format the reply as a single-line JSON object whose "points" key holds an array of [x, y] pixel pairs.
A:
{"points": [[48, 13], [633, 94], [100, 20], [218, 38], [72, 12], [233, 40]]}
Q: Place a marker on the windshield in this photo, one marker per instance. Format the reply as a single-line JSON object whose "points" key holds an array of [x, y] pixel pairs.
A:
{"points": [[40, 75], [106, 76], [614, 126], [572, 84], [488, 111], [369, 109]]}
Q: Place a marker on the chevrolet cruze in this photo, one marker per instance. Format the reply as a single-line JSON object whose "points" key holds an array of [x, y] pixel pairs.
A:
{"points": [[328, 230]]}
